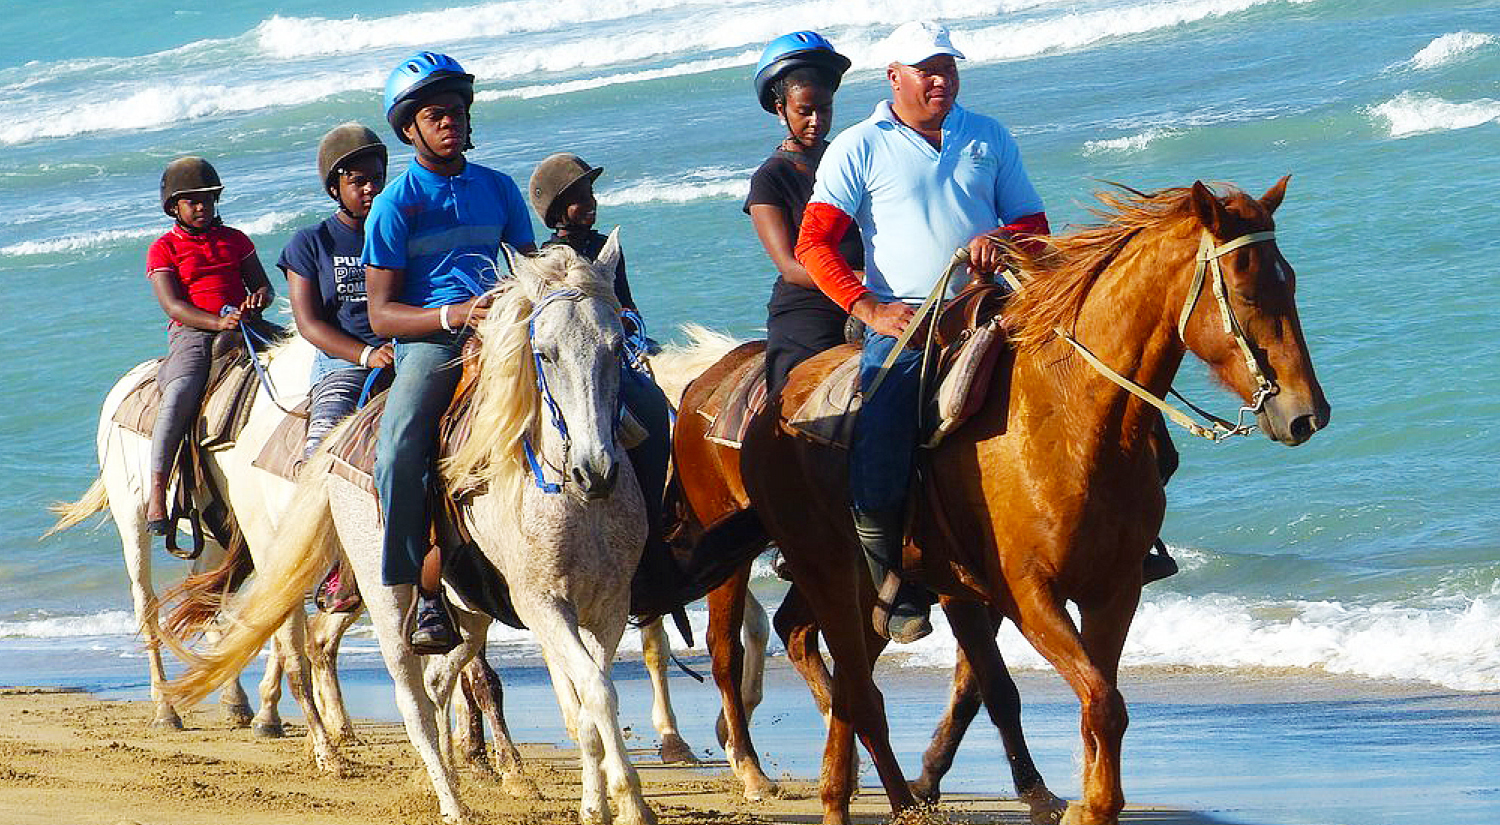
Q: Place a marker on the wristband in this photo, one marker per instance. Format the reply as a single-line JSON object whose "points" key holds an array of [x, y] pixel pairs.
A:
{"points": [[443, 318], [364, 356]]}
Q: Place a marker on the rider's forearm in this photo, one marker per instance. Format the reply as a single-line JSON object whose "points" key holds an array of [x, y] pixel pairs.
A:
{"points": [[823, 226]]}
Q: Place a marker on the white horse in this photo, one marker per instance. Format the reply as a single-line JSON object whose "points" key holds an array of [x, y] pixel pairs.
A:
{"points": [[254, 496], [567, 556]]}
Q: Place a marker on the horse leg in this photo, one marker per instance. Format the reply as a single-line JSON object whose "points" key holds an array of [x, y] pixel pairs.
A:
{"points": [[267, 722], [143, 598], [1047, 625], [756, 635], [726, 611], [656, 652], [483, 689], [469, 724], [799, 634], [440, 674], [981, 671], [291, 640], [325, 634]]}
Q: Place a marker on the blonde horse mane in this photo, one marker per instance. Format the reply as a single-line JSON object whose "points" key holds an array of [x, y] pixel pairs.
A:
{"points": [[1063, 268], [505, 403]]}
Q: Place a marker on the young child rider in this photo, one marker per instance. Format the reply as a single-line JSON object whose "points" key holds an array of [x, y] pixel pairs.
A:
{"points": [[431, 242], [562, 193], [326, 280], [207, 279]]}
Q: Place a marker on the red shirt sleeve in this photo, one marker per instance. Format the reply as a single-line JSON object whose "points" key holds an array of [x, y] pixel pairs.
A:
{"points": [[823, 226], [160, 255], [240, 244]]}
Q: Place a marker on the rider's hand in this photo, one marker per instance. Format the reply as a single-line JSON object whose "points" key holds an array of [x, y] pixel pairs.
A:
{"points": [[987, 253], [470, 312], [382, 356], [230, 319], [885, 318], [257, 300]]}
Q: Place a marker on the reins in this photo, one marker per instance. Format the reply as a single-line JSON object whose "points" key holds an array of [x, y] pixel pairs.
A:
{"points": [[1207, 261]]}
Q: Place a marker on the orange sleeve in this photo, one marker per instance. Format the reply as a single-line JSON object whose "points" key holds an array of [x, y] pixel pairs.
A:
{"points": [[823, 226], [1027, 225]]}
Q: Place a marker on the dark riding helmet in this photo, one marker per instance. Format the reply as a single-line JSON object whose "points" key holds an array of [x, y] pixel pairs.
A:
{"points": [[419, 77], [552, 177], [187, 176], [789, 52], [341, 146]]}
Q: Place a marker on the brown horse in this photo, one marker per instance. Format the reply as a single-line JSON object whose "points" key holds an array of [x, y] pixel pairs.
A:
{"points": [[1052, 486], [718, 522]]}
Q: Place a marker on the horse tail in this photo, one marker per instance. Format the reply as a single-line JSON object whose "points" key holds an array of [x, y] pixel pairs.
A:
{"points": [[676, 366], [305, 547], [70, 513], [199, 597]]}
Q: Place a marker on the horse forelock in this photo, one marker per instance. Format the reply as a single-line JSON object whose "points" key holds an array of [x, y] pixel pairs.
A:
{"points": [[506, 406], [1064, 267]]}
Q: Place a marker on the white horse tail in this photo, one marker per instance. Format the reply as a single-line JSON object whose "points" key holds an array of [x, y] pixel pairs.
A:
{"points": [[676, 366], [305, 547], [71, 512]]}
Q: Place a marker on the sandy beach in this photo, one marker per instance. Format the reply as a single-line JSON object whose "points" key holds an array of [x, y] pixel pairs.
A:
{"points": [[68, 757]]}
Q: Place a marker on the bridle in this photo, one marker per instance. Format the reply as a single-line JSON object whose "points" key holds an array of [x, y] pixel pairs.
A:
{"points": [[1207, 263]]}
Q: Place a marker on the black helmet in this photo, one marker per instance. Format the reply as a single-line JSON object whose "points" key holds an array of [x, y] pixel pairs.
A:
{"points": [[342, 145], [419, 77], [552, 177], [187, 176], [789, 52]]}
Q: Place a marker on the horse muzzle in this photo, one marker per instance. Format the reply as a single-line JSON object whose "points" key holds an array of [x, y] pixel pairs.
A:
{"points": [[1291, 421], [595, 479]]}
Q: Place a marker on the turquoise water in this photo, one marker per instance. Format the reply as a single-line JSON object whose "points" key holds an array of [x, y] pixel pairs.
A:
{"points": [[1373, 551]]}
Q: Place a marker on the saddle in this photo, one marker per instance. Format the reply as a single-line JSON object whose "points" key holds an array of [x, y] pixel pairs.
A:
{"points": [[224, 410]]}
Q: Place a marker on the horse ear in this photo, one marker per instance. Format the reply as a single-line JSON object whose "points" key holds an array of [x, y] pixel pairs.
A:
{"points": [[1272, 198], [609, 256], [1208, 209]]}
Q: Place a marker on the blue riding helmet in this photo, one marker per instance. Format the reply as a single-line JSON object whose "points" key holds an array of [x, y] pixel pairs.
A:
{"points": [[418, 78], [789, 52]]}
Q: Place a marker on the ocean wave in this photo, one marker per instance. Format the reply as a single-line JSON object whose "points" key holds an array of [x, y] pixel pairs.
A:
{"points": [[570, 86], [1411, 113], [269, 222], [1448, 48], [1455, 644], [107, 623], [690, 186], [1128, 144]]}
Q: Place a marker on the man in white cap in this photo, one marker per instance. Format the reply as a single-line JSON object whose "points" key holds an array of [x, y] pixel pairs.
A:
{"points": [[922, 176]]}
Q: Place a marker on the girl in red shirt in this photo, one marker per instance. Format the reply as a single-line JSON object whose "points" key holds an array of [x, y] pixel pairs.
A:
{"points": [[207, 278]]}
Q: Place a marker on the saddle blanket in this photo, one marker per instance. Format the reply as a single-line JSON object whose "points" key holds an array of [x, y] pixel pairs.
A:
{"points": [[226, 404]]}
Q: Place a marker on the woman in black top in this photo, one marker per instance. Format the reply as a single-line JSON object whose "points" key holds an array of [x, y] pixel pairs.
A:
{"points": [[796, 79]]}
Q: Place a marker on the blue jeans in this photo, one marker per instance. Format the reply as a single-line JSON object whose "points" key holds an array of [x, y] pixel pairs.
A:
{"points": [[336, 385], [427, 371], [885, 433], [649, 459]]}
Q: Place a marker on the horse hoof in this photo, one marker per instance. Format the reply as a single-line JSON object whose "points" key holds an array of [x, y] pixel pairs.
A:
{"points": [[1078, 814], [519, 785], [925, 790], [167, 721], [674, 751], [268, 731], [759, 789], [1046, 807], [238, 716]]}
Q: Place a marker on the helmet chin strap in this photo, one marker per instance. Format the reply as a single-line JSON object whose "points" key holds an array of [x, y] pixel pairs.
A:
{"points": [[468, 144], [338, 197]]}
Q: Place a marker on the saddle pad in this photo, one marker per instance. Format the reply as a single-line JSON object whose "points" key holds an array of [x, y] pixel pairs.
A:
{"points": [[964, 387], [353, 448], [827, 415], [226, 404], [281, 455], [137, 412], [745, 398]]}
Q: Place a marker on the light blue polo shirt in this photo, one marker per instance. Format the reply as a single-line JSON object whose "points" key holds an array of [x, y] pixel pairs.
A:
{"points": [[914, 204], [445, 232]]}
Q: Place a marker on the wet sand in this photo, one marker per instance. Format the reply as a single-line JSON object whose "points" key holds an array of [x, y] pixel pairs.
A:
{"points": [[68, 758]]}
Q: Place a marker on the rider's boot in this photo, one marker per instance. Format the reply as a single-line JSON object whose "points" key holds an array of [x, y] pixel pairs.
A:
{"points": [[1158, 563], [432, 627], [901, 609], [158, 523]]}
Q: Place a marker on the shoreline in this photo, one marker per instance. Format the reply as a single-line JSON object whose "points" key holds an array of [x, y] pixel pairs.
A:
{"points": [[69, 757]]}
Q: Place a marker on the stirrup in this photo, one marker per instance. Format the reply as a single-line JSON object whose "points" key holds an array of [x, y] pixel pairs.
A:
{"points": [[912, 627], [435, 645]]}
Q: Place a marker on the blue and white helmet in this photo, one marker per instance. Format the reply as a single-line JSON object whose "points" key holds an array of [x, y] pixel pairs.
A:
{"points": [[790, 52], [418, 78]]}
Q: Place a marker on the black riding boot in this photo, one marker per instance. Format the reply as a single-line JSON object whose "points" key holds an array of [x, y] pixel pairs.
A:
{"points": [[904, 604]]}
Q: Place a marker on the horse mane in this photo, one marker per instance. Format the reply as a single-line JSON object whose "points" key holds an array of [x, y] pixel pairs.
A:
{"points": [[1061, 269], [505, 402]]}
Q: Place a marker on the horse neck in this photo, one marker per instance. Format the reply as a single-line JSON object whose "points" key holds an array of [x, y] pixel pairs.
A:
{"points": [[1128, 321]]}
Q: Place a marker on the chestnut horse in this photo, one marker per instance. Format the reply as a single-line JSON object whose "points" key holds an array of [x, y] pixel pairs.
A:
{"points": [[1052, 484], [716, 512]]}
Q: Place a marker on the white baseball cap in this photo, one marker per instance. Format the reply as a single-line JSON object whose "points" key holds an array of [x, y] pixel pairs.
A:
{"points": [[915, 41]]}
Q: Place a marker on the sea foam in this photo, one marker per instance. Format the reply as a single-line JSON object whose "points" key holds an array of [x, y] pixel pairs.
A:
{"points": [[269, 222], [1129, 144], [107, 623], [1411, 113], [689, 186], [1448, 48]]}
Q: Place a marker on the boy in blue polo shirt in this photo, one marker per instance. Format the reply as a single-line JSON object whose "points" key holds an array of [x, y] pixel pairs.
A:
{"points": [[431, 242]]}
